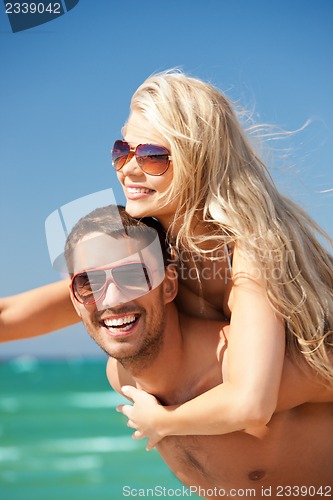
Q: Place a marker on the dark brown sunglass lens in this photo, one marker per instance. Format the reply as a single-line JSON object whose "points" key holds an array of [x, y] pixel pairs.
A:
{"points": [[119, 154], [153, 160]]}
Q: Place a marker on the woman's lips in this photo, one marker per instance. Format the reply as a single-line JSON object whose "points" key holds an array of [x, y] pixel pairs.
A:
{"points": [[135, 193]]}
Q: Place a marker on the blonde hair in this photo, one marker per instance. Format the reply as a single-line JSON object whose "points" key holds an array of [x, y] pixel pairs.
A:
{"points": [[219, 178]]}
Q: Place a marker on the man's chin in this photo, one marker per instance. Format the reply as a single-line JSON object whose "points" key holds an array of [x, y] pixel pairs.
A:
{"points": [[116, 346], [118, 351]]}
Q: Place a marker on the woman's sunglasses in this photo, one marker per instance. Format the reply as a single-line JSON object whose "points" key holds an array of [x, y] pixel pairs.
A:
{"points": [[153, 160], [90, 286]]}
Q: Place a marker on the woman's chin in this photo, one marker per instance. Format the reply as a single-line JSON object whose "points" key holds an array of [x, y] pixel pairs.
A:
{"points": [[136, 209]]}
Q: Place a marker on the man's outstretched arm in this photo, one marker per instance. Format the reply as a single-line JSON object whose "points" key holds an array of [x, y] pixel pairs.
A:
{"points": [[36, 312]]}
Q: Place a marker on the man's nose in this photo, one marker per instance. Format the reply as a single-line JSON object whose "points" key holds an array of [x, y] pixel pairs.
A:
{"points": [[113, 296]]}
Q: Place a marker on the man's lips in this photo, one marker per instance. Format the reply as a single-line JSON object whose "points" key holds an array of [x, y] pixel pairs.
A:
{"points": [[119, 325]]}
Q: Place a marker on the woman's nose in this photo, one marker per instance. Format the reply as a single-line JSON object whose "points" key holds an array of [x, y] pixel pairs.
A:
{"points": [[132, 168]]}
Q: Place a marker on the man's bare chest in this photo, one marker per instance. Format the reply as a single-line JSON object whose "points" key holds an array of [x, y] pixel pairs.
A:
{"points": [[291, 451]]}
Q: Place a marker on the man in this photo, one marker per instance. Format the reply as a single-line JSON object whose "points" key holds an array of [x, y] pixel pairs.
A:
{"points": [[130, 313]]}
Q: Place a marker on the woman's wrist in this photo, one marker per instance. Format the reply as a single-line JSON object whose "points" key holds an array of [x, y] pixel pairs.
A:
{"points": [[167, 422]]}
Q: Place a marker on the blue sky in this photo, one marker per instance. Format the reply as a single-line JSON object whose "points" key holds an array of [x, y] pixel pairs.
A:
{"points": [[65, 93]]}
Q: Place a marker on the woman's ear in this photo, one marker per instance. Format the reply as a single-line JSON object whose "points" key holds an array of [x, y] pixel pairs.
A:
{"points": [[170, 283]]}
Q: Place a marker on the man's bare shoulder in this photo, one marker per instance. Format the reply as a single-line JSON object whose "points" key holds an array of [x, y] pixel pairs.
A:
{"points": [[202, 328], [117, 375]]}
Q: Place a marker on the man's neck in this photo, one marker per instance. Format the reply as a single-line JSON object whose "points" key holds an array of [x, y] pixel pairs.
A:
{"points": [[162, 374]]}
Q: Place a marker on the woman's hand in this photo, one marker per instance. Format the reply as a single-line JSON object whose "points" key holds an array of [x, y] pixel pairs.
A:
{"points": [[143, 415]]}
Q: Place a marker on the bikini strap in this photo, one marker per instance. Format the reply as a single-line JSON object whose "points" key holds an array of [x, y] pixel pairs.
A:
{"points": [[228, 256]]}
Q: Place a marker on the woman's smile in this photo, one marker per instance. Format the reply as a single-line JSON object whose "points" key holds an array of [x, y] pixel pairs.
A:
{"points": [[137, 191]]}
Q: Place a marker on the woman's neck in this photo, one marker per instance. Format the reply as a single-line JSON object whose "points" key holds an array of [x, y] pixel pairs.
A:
{"points": [[198, 228]]}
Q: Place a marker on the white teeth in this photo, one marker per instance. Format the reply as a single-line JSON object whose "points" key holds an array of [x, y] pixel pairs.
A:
{"points": [[138, 190], [120, 321]]}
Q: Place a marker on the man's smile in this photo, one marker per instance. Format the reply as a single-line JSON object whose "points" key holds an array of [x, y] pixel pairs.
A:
{"points": [[118, 325]]}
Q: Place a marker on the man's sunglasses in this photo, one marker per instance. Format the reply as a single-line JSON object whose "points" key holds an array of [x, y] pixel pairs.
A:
{"points": [[133, 279], [153, 160]]}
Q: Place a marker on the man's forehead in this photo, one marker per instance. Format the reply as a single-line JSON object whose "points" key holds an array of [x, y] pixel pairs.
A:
{"points": [[99, 249]]}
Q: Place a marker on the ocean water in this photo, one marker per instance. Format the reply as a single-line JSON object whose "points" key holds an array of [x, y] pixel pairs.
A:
{"points": [[61, 438]]}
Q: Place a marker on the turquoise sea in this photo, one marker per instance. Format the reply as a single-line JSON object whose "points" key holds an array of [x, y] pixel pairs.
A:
{"points": [[61, 438]]}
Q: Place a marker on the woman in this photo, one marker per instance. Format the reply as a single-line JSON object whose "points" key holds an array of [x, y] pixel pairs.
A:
{"points": [[185, 160]]}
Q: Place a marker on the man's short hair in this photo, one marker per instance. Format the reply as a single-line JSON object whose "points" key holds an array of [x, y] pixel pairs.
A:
{"points": [[114, 221]]}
